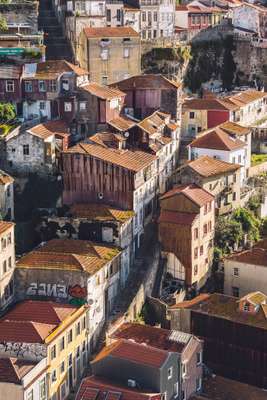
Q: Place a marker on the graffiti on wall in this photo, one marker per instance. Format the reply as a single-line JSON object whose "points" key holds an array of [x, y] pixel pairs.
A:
{"points": [[33, 351], [76, 294]]}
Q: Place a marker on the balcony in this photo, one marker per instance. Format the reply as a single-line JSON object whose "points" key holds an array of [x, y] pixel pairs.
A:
{"points": [[224, 209]]}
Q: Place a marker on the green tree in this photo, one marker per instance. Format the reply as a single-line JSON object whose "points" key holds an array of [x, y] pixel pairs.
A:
{"points": [[250, 224], [7, 112], [228, 233]]}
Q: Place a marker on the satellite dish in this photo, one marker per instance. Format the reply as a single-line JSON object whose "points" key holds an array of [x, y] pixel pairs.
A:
{"points": [[126, 134]]}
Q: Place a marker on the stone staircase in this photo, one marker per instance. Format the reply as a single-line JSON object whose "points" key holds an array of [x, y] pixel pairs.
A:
{"points": [[57, 46]]}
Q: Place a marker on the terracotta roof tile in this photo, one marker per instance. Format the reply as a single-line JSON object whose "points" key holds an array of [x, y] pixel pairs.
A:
{"points": [[44, 131], [233, 128], [100, 212], [177, 218], [98, 388], [146, 81], [208, 104], [226, 307], [207, 166], [255, 256], [103, 92], [217, 139], [121, 31], [195, 193], [54, 68], [152, 336], [246, 97], [220, 388], [122, 123], [5, 178], [133, 160], [69, 254], [153, 122], [10, 71], [32, 321], [190, 303], [4, 226], [107, 139], [134, 352], [12, 370]]}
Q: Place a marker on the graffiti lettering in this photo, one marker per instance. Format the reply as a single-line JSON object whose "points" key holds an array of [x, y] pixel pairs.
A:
{"points": [[47, 289]]}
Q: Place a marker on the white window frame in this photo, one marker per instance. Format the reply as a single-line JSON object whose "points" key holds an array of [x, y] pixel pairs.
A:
{"points": [[82, 105], [10, 86], [67, 106], [41, 86], [28, 86], [170, 373], [236, 271]]}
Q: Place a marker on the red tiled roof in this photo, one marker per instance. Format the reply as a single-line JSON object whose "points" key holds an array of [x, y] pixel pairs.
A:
{"points": [[208, 104], [69, 254], [146, 81], [12, 370], [217, 139], [100, 212], [44, 131], [134, 352], [235, 129], [254, 256], [175, 217], [133, 160], [245, 97], [53, 68], [207, 166], [4, 226], [122, 123], [150, 335], [121, 31], [195, 193], [98, 388], [190, 303], [103, 92], [31, 321]]}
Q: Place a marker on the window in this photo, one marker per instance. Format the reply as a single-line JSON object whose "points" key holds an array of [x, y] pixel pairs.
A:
{"points": [[30, 395], [108, 15], [67, 107], [199, 357], [54, 376], [10, 86], [78, 329], [65, 85], [246, 307], [201, 250], [82, 105], [104, 80], [210, 226], [63, 391], [9, 262], [104, 54], [195, 269], [143, 16], [9, 238], [155, 16], [236, 271], [28, 86], [234, 196], [26, 149], [8, 192], [235, 291], [205, 229], [234, 178], [209, 206], [198, 384], [195, 252], [62, 344], [83, 323], [126, 52], [62, 367], [42, 105], [41, 86], [176, 389], [43, 389], [239, 159], [53, 86], [196, 233], [118, 15], [3, 243], [205, 209], [191, 115], [170, 373], [70, 336], [183, 370], [4, 267], [53, 352], [183, 395]]}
